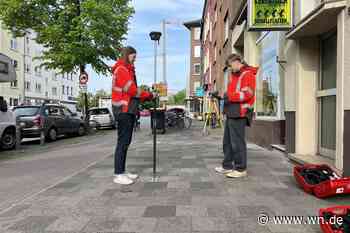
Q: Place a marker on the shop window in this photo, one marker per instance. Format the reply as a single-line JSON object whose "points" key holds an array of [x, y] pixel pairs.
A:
{"points": [[268, 79]]}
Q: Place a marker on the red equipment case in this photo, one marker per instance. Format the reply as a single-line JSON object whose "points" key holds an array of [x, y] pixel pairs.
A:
{"points": [[324, 189], [337, 211]]}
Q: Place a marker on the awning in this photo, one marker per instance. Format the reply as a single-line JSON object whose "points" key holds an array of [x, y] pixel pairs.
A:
{"points": [[319, 21]]}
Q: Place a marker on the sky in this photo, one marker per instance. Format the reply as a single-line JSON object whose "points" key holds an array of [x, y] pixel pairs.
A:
{"points": [[148, 16]]}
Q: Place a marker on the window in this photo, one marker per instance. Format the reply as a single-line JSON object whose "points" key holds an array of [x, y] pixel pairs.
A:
{"points": [[37, 71], [55, 77], [215, 52], [4, 67], [63, 89], [27, 86], [38, 87], [268, 79], [71, 91], [54, 91], [197, 51], [197, 69], [14, 84], [28, 68], [13, 43], [197, 33], [67, 112], [216, 13], [15, 64], [227, 27], [55, 111], [67, 90]]}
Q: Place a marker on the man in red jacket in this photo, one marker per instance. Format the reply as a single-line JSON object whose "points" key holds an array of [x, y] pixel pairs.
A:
{"points": [[126, 97], [238, 107]]}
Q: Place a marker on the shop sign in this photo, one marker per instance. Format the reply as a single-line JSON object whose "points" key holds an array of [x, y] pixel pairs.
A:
{"points": [[268, 15], [199, 92]]}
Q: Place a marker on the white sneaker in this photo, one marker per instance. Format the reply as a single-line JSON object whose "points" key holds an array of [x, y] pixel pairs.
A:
{"points": [[122, 179], [236, 174], [222, 170], [131, 175]]}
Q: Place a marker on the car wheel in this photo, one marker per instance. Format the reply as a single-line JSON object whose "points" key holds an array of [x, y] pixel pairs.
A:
{"points": [[8, 139], [52, 135], [81, 130]]}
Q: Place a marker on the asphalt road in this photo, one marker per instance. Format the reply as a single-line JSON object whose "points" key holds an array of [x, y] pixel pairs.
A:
{"points": [[35, 168]]}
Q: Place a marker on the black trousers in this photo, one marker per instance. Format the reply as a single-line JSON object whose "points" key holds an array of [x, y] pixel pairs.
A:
{"points": [[126, 122], [234, 143]]}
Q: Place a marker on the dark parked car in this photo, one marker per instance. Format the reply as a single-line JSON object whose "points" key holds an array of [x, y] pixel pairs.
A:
{"points": [[52, 119]]}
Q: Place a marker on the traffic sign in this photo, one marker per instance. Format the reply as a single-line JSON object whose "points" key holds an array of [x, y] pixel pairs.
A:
{"points": [[83, 78], [83, 88]]}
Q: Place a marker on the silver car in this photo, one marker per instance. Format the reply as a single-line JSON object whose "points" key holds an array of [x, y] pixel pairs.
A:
{"points": [[103, 117]]}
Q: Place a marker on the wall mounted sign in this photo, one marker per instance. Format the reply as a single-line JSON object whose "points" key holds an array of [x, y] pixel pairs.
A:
{"points": [[269, 15]]}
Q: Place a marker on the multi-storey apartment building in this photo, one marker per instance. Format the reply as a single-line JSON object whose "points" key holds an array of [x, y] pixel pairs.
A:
{"points": [[13, 48], [194, 86], [35, 84], [303, 105]]}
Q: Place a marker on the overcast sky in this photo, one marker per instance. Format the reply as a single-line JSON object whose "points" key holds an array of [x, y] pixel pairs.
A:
{"points": [[148, 17]]}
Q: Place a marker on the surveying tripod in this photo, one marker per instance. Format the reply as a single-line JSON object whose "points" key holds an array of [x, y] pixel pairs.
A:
{"points": [[213, 115]]}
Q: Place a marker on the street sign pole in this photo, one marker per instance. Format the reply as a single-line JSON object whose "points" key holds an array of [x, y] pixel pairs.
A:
{"points": [[83, 80], [155, 36]]}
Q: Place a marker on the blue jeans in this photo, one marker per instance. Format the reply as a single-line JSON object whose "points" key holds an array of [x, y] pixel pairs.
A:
{"points": [[126, 124], [235, 146]]}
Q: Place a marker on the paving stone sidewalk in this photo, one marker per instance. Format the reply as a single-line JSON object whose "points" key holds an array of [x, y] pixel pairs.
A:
{"points": [[188, 196]]}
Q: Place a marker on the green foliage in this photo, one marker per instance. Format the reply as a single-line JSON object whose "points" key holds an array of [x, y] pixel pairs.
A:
{"points": [[73, 33], [178, 98], [93, 99], [147, 104]]}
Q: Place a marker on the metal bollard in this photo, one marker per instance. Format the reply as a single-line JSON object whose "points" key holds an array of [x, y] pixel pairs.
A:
{"points": [[18, 137], [42, 137]]}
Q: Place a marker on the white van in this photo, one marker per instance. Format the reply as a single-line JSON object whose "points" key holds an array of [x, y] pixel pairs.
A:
{"points": [[7, 117], [7, 127]]}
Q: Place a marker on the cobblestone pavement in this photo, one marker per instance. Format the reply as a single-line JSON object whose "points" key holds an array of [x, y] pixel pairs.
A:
{"points": [[187, 197]]}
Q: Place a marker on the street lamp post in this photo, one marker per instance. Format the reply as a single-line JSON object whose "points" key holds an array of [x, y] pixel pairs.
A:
{"points": [[155, 36]]}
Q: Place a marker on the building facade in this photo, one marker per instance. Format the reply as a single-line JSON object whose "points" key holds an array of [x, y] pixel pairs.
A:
{"points": [[302, 104], [34, 83], [194, 82]]}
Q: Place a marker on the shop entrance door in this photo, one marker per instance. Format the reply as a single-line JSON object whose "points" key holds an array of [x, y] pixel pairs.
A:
{"points": [[326, 96]]}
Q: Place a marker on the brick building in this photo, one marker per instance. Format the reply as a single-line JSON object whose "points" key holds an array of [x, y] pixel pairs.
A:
{"points": [[194, 82], [302, 104]]}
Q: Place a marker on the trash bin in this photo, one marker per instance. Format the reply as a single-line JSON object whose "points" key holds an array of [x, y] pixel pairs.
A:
{"points": [[159, 116]]}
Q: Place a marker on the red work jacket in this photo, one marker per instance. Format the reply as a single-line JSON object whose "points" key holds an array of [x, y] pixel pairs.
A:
{"points": [[241, 89], [124, 86]]}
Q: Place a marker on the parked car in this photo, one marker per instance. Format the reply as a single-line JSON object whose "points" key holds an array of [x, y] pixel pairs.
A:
{"points": [[7, 127], [103, 117], [51, 119]]}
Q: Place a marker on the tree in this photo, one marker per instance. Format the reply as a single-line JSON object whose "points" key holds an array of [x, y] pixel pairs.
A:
{"points": [[93, 99], [99, 94], [178, 98], [73, 33]]}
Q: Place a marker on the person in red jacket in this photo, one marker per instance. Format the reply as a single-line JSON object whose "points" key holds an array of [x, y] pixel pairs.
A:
{"points": [[126, 97], [238, 108]]}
